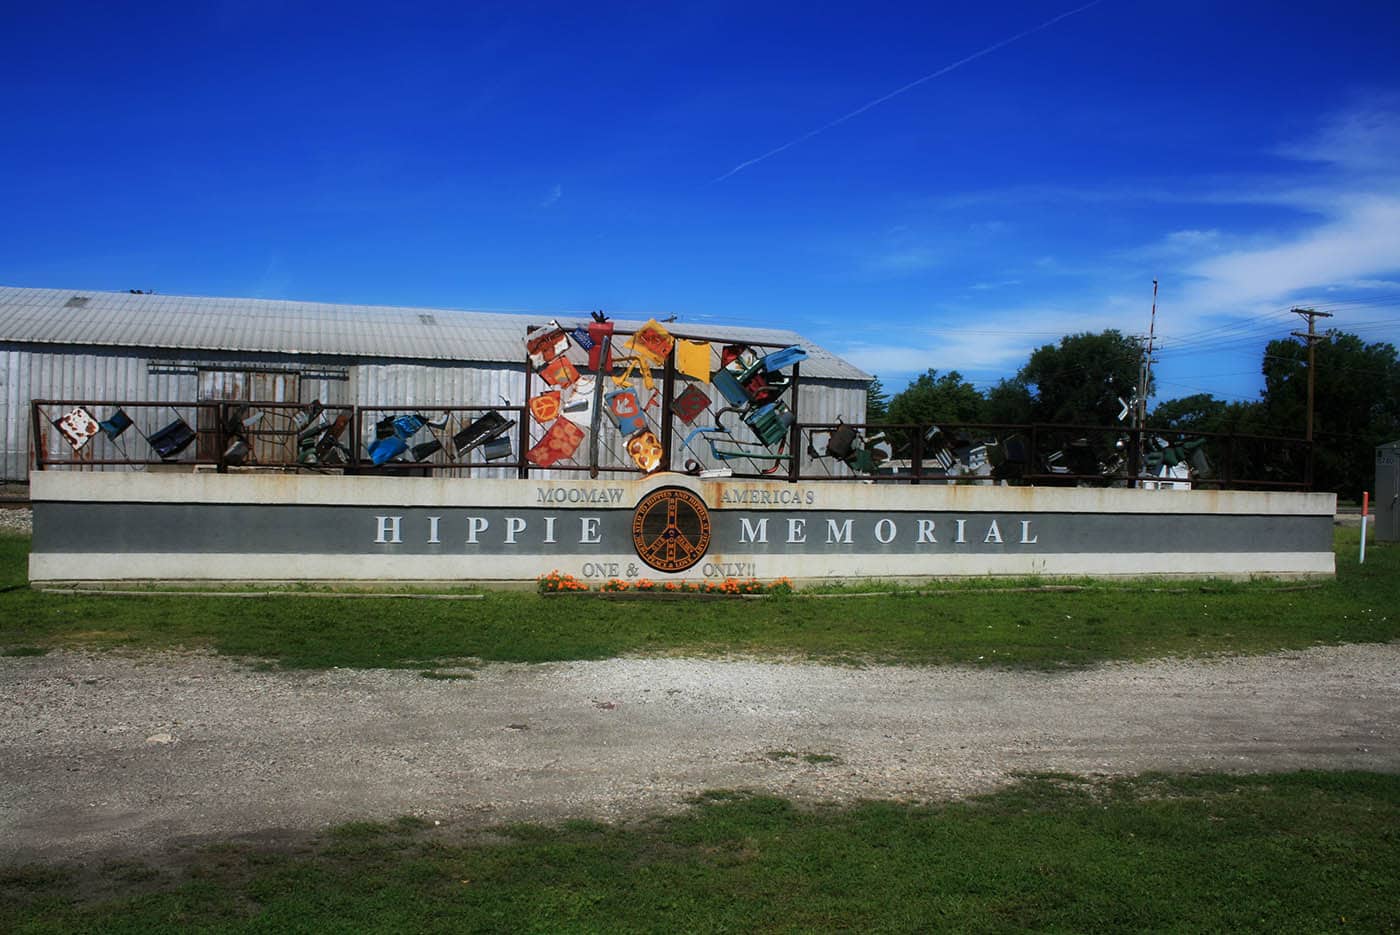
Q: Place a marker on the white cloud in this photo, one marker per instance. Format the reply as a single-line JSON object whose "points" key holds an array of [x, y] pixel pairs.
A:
{"points": [[1362, 139], [1192, 239], [1348, 237], [554, 195], [996, 352], [1362, 241], [1339, 232], [1363, 284], [965, 353]]}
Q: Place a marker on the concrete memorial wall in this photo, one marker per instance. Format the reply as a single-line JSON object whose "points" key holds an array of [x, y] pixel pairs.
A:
{"points": [[248, 527]]}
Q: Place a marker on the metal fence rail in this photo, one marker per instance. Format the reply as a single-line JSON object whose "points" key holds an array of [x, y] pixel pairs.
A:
{"points": [[493, 441], [1040, 454]]}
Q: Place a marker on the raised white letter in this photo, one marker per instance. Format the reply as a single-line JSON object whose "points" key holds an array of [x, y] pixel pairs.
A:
{"points": [[751, 532], [885, 524], [797, 530], [962, 529], [993, 533], [514, 525], [1026, 537], [388, 530], [433, 530], [475, 524], [549, 529], [841, 534], [926, 531], [588, 531]]}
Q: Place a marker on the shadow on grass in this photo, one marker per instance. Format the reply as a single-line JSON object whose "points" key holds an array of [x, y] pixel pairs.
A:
{"points": [[1301, 851]]}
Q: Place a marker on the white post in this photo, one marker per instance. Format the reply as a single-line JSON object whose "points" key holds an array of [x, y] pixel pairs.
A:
{"points": [[1365, 508]]}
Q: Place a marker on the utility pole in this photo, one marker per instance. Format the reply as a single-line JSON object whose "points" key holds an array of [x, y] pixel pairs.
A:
{"points": [[1311, 337], [1145, 368], [1145, 362]]}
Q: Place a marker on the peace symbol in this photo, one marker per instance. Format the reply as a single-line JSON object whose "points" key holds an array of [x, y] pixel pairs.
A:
{"points": [[671, 529]]}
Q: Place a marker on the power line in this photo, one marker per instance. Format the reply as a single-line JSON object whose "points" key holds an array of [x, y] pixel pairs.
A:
{"points": [[1365, 370], [1202, 389], [1245, 330]]}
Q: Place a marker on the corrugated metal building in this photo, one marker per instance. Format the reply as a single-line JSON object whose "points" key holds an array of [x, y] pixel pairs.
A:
{"points": [[103, 346]]}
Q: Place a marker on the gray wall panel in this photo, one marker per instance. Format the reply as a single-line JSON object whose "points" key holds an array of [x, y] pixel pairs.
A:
{"points": [[357, 530]]}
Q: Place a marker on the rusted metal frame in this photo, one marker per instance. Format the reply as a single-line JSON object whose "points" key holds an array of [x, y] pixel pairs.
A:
{"points": [[364, 466], [594, 467], [713, 339], [1227, 479], [595, 417], [810, 427], [1034, 429], [1034, 442], [522, 442], [220, 431], [916, 459], [591, 465], [621, 469], [118, 462], [522, 470], [1106, 480], [1135, 454], [120, 403], [795, 433], [37, 438], [668, 392], [355, 465], [277, 436], [38, 418]]}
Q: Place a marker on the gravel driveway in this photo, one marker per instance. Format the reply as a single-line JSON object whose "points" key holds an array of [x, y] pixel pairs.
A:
{"points": [[108, 754]]}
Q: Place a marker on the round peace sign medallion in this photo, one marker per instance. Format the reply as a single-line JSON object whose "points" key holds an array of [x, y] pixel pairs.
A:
{"points": [[671, 529]]}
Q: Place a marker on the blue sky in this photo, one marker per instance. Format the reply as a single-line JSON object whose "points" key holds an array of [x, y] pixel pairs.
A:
{"points": [[565, 157]]}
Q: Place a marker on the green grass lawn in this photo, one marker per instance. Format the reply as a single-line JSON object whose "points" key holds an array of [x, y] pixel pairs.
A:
{"points": [[1297, 852], [959, 623]]}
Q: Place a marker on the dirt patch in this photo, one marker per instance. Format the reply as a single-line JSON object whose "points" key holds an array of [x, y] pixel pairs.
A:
{"points": [[103, 754]]}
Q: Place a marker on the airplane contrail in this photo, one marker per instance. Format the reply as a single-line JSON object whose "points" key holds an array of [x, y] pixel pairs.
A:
{"points": [[898, 91]]}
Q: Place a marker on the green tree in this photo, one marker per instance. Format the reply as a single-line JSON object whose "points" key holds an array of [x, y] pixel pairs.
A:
{"points": [[1242, 459], [877, 401], [933, 399], [1080, 380], [1009, 402], [1201, 412], [1356, 404]]}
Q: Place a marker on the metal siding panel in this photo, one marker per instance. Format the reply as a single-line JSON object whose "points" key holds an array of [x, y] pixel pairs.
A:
{"points": [[823, 402], [51, 377], [16, 417], [110, 319], [22, 441]]}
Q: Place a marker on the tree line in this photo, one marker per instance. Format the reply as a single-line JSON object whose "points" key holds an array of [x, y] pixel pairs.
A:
{"points": [[1085, 379]]}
